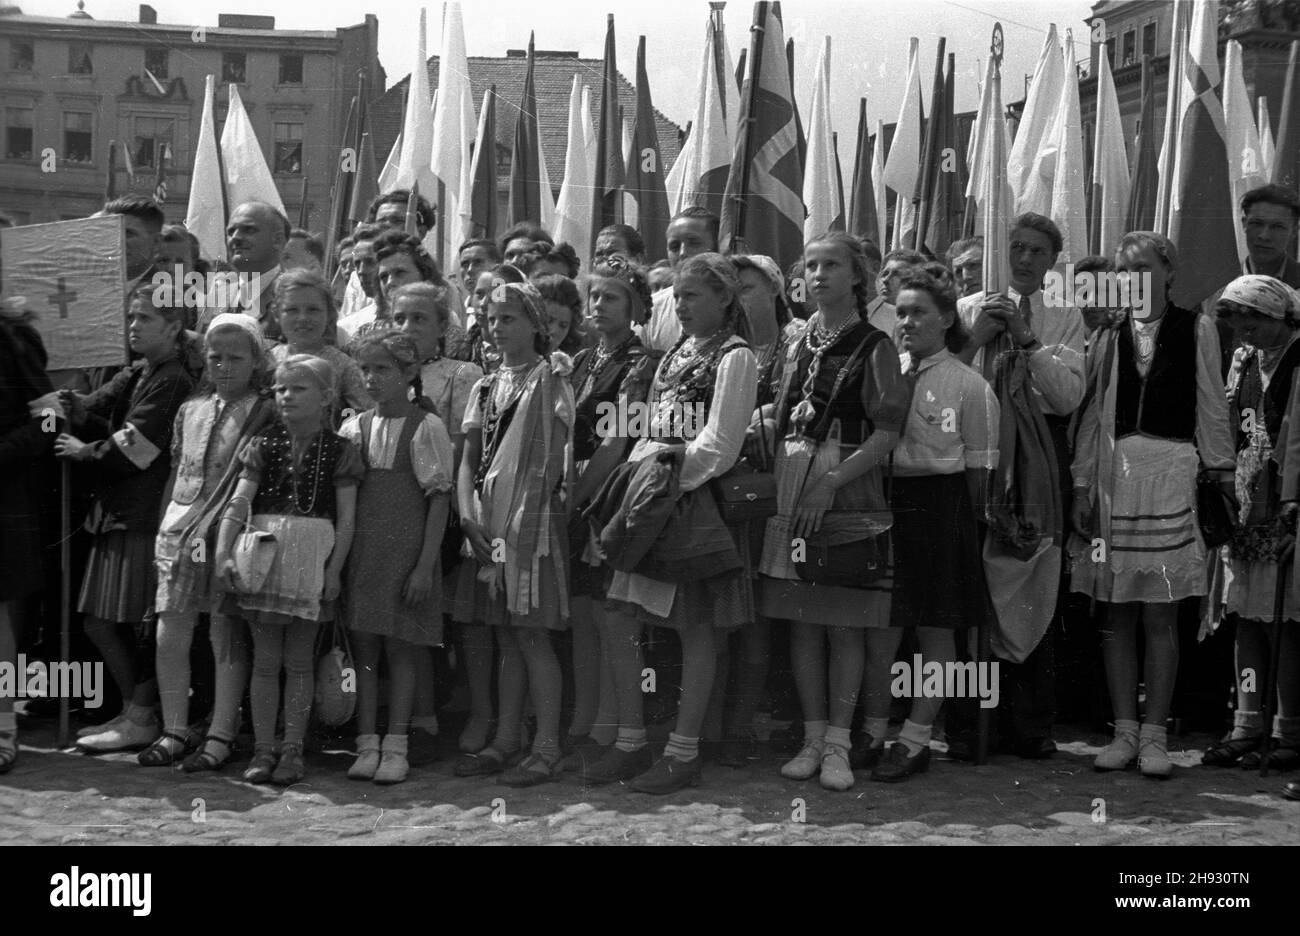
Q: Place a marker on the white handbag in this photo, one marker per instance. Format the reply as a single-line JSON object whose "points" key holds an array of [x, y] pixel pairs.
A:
{"points": [[254, 554]]}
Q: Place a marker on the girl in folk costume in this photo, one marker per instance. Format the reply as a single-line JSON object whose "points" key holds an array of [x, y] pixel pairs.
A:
{"points": [[304, 309], [23, 442], [422, 311], [711, 373], [941, 472], [133, 416], [394, 595], [211, 426], [481, 349], [1141, 441], [298, 482], [1262, 391], [517, 431], [837, 418], [616, 373]]}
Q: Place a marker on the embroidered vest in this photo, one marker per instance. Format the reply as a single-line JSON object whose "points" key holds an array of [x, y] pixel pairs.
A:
{"points": [[205, 454], [1164, 405], [847, 404], [1269, 405]]}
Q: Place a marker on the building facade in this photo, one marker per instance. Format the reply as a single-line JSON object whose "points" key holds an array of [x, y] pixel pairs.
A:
{"points": [[75, 87]]}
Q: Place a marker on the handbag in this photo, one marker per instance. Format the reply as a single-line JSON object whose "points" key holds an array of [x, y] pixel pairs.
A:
{"points": [[1215, 511], [253, 555], [336, 681], [746, 493], [838, 554]]}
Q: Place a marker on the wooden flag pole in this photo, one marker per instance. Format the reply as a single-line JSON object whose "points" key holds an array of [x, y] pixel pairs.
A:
{"points": [[65, 587]]}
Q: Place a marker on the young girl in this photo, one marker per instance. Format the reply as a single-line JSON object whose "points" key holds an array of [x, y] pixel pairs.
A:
{"points": [[422, 312], [299, 483], [711, 373], [1265, 318], [482, 350], [1135, 469], [226, 411], [394, 596], [563, 312], [517, 429], [942, 468], [618, 368], [132, 416], [838, 416], [305, 310]]}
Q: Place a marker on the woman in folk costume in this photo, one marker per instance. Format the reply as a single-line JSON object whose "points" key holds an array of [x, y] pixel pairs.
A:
{"points": [[517, 431], [1264, 314], [711, 374], [838, 416], [1142, 440]]}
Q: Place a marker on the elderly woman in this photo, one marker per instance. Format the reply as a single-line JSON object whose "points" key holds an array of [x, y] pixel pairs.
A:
{"points": [[1264, 315], [1142, 440]]}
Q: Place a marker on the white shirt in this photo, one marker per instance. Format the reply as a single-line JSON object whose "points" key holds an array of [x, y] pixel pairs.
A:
{"points": [[663, 329]]}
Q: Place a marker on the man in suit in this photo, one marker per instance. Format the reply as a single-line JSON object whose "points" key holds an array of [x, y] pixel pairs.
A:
{"points": [[255, 237]]}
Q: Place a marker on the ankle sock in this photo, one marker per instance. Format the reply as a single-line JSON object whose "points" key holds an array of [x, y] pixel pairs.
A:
{"points": [[877, 728], [394, 744], [630, 739], [682, 747], [367, 742], [814, 731], [1157, 733], [1125, 727], [915, 737], [549, 748], [840, 736], [1246, 724]]}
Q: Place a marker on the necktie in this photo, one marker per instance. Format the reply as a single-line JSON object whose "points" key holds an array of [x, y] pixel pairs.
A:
{"points": [[1027, 310]]}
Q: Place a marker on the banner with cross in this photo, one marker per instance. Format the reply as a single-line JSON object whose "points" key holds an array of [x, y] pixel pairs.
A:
{"points": [[72, 275]]}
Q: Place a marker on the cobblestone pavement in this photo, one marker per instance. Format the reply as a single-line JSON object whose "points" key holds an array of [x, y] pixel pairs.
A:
{"points": [[60, 797]]}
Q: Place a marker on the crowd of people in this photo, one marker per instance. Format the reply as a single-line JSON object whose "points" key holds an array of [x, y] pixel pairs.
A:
{"points": [[568, 504]]}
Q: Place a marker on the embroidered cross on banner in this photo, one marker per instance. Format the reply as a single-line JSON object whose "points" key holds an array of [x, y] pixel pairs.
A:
{"points": [[63, 298]]}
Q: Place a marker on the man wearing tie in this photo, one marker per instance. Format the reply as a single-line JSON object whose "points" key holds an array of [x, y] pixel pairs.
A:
{"points": [[1025, 592], [255, 238]]}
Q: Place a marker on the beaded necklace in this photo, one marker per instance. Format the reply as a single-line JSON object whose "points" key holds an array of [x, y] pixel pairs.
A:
{"points": [[818, 341], [602, 359], [681, 358], [493, 413], [315, 448]]}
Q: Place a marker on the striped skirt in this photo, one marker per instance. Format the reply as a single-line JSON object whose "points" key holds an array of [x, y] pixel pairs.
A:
{"points": [[121, 580], [1155, 552]]}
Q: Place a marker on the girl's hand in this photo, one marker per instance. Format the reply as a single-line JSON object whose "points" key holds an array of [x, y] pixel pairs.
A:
{"points": [[226, 572], [478, 541], [333, 585], [419, 585], [1081, 513], [816, 499], [74, 405], [70, 447]]}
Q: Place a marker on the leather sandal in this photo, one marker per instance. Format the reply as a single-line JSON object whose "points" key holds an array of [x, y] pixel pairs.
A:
{"points": [[160, 754], [203, 759], [487, 762], [1229, 751]]}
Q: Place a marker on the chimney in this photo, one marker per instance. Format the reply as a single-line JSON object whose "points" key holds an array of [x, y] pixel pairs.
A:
{"points": [[148, 15]]}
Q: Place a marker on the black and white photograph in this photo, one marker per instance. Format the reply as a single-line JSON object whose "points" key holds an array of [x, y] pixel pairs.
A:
{"points": [[839, 422]]}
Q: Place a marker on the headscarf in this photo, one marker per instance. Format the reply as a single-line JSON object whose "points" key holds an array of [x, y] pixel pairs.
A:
{"points": [[245, 323], [1265, 295]]}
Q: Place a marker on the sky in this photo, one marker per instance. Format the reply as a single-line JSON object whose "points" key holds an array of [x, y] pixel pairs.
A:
{"points": [[869, 39]]}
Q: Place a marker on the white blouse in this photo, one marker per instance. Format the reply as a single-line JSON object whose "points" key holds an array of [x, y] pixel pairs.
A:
{"points": [[431, 451]]}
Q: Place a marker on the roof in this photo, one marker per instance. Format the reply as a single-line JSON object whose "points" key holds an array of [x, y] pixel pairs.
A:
{"points": [[552, 79], [139, 32]]}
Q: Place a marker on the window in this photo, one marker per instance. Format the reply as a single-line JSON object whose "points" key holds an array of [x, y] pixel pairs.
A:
{"points": [[1130, 47], [1110, 52], [291, 69], [233, 67], [78, 137], [22, 55], [288, 148], [18, 133], [155, 63], [79, 59], [150, 134]]}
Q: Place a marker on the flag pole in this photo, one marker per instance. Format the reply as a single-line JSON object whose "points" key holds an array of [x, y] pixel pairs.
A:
{"points": [[65, 587], [747, 108]]}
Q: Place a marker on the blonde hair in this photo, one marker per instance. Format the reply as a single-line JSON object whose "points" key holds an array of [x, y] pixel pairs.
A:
{"points": [[321, 371]]}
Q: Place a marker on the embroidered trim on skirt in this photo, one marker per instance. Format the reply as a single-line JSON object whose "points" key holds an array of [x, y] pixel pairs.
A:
{"points": [[1155, 551], [938, 560], [296, 581], [121, 581]]}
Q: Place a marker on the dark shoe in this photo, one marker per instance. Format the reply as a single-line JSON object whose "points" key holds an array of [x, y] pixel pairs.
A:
{"points": [[292, 768], [897, 765], [261, 767], [1292, 790], [1228, 752], [865, 753], [668, 775], [531, 771], [1035, 748], [204, 759], [160, 753], [617, 765], [1280, 757], [579, 752], [422, 747], [487, 762]]}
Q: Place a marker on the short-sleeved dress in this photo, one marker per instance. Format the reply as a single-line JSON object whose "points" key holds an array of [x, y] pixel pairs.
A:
{"points": [[296, 503], [408, 459], [856, 390]]}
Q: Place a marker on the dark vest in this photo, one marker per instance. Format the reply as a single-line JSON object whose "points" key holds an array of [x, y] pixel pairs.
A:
{"points": [[847, 404], [1164, 405], [1271, 404]]}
